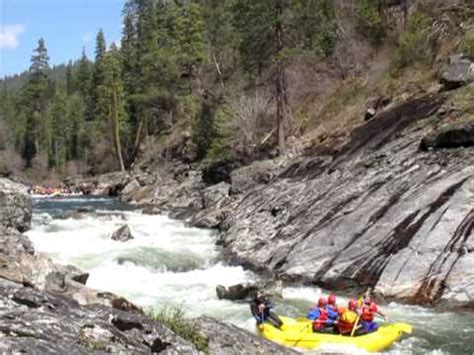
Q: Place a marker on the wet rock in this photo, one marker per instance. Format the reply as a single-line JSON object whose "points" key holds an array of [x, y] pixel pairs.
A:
{"points": [[248, 290], [236, 292], [452, 136], [123, 234], [229, 339], [15, 205], [215, 194], [260, 172], [110, 184], [218, 171], [75, 274], [129, 190], [459, 72]]}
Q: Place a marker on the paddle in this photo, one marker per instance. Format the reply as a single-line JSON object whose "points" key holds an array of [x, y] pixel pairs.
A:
{"points": [[355, 326]]}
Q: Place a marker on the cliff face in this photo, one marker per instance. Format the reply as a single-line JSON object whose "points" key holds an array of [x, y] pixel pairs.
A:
{"points": [[382, 213]]}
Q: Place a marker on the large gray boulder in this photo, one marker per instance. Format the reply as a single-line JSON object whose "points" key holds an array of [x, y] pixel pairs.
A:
{"points": [[15, 206], [459, 72], [123, 234]]}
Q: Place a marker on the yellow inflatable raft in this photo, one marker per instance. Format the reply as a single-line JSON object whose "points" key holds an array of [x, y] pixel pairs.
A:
{"points": [[299, 333]]}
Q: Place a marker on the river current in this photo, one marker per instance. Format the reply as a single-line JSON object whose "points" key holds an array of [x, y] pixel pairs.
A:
{"points": [[168, 264]]}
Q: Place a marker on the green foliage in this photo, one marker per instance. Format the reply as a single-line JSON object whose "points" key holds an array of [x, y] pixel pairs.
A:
{"points": [[370, 22], [100, 45], [221, 145], [59, 130], [84, 76], [204, 129], [316, 25], [414, 45], [252, 21], [175, 320], [469, 45], [34, 103]]}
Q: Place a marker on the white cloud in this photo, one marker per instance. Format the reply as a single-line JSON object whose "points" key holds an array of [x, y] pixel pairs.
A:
{"points": [[9, 35]]}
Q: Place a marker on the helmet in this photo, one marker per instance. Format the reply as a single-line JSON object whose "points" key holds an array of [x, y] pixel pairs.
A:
{"points": [[352, 305], [332, 299], [322, 302]]}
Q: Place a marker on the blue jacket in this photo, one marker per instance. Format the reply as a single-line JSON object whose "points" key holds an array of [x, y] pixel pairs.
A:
{"points": [[332, 314], [315, 313]]}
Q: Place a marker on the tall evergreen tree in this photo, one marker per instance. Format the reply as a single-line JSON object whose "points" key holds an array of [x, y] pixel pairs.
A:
{"points": [[111, 101], [69, 79], [83, 78], [189, 33], [75, 116], [60, 131], [99, 76], [34, 102], [260, 26], [100, 45]]}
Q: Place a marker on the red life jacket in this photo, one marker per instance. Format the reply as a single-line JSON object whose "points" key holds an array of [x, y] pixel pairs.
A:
{"points": [[368, 312], [320, 323]]}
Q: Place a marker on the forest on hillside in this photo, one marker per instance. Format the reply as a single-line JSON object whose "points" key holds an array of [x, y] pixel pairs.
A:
{"points": [[208, 79]]}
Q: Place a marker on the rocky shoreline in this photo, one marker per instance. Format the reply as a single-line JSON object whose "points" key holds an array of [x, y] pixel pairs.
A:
{"points": [[386, 211], [46, 308]]}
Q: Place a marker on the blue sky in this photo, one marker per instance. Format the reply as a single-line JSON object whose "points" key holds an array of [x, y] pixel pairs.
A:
{"points": [[65, 25]]}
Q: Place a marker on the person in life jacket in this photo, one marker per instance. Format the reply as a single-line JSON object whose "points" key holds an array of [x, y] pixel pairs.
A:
{"points": [[333, 310], [368, 311], [262, 310], [321, 316], [347, 320]]}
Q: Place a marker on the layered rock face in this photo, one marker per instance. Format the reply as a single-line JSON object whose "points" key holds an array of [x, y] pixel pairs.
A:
{"points": [[15, 206], [382, 213], [36, 322]]}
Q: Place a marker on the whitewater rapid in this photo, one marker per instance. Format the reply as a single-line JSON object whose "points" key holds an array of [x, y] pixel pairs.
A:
{"points": [[169, 264]]}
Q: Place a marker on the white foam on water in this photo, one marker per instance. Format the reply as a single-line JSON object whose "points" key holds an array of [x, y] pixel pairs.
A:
{"points": [[86, 243]]}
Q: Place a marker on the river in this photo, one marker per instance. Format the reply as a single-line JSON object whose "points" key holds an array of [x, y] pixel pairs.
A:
{"points": [[171, 265]]}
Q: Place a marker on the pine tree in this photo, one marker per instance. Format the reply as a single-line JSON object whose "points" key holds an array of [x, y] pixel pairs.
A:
{"points": [[98, 76], [75, 116], [69, 79], [59, 132], [111, 101], [83, 78], [100, 46], [34, 102], [189, 38], [260, 26], [130, 69]]}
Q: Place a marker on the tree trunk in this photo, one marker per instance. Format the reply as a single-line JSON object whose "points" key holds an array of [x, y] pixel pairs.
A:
{"points": [[280, 77], [138, 136], [116, 129]]}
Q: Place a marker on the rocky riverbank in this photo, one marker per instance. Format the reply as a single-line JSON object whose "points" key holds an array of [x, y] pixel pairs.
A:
{"points": [[393, 209], [46, 308]]}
